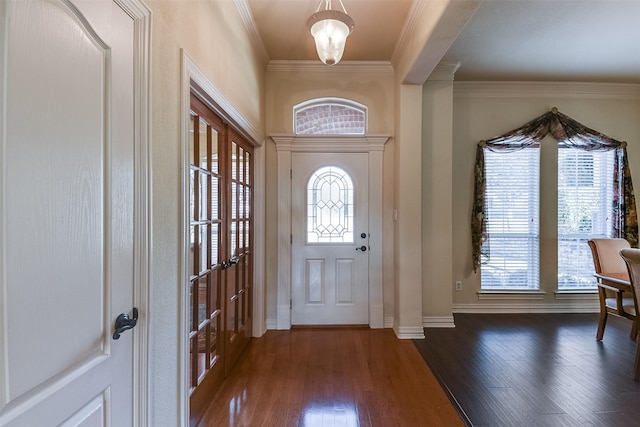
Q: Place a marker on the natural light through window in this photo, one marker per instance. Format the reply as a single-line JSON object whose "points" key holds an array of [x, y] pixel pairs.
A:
{"points": [[585, 211], [330, 206], [513, 200], [330, 116]]}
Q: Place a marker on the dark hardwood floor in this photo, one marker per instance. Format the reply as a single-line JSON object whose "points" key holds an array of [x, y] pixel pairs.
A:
{"points": [[331, 377], [536, 369]]}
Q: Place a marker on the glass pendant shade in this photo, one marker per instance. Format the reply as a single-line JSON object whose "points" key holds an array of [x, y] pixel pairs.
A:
{"points": [[330, 29]]}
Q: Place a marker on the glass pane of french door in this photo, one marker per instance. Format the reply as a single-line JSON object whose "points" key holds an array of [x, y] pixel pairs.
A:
{"points": [[239, 279], [205, 241]]}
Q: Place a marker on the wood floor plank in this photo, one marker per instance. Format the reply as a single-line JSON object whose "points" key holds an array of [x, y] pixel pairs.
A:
{"points": [[329, 378], [536, 369]]}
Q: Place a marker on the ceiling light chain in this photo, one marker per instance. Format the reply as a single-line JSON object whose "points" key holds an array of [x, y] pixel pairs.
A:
{"points": [[330, 29], [327, 5]]}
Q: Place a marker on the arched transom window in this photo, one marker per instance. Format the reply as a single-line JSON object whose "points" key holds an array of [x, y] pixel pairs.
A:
{"points": [[330, 116], [330, 206]]}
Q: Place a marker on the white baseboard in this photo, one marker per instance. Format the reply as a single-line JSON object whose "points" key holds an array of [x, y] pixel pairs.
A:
{"points": [[388, 322], [568, 307], [409, 332], [272, 324], [438, 322]]}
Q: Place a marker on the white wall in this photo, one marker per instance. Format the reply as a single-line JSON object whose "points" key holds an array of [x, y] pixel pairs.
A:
{"points": [[484, 110]]}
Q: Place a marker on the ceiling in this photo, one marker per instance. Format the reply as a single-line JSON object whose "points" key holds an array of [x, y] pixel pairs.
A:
{"points": [[541, 40]]}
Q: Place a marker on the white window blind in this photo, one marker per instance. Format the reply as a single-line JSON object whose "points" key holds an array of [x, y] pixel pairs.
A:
{"points": [[585, 204], [512, 197]]}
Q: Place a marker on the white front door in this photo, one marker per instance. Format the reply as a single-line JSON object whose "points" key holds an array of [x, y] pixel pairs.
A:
{"points": [[330, 239], [67, 214]]}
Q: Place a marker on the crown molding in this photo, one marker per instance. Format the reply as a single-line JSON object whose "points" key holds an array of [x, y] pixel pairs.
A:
{"points": [[444, 71], [341, 67], [408, 28], [249, 23], [478, 89]]}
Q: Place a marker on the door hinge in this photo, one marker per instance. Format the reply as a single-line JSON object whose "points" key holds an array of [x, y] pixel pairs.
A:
{"points": [[290, 304], [291, 238], [290, 173]]}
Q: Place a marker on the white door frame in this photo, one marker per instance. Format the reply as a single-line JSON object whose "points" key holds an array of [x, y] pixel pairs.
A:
{"points": [[374, 146], [141, 16]]}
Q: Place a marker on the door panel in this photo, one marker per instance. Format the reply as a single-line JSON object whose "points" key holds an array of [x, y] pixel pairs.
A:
{"points": [[239, 250], [221, 255], [206, 276], [67, 231], [329, 268]]}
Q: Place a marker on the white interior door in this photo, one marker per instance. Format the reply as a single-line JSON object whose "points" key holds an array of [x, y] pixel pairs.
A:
{"points": [[66, 203], [330, 239]]}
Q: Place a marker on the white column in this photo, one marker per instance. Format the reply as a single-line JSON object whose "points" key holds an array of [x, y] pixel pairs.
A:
{"points": [[376, 309], [437, 197], [283, 310], [408, 227]]}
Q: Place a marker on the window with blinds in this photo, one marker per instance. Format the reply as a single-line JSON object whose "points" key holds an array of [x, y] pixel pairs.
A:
{"points": [[585, 202], [512, 197]]}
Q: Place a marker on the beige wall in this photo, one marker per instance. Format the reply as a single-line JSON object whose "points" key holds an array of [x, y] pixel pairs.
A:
{"points": [[485, 110], [286, 86], [213, 35]]}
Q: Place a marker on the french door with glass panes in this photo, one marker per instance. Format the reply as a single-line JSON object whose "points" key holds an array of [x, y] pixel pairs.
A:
{"points": [[220, 252]]}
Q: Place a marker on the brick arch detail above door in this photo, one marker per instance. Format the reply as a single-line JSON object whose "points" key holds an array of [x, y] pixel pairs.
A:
{"points": [[330, 116]]}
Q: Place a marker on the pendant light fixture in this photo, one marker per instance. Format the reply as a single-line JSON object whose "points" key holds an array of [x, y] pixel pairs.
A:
{"points": [[330, 29]]}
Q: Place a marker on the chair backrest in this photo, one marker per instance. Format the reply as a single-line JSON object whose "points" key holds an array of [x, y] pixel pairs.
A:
{"points": [[631, 256], [606, 255]]}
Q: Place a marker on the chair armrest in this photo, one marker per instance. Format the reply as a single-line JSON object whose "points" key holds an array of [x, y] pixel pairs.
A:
{"points": [[613, 283]]}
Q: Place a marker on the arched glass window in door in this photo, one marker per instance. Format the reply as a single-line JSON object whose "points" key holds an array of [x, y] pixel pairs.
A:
{"points": [[330, 116], [330, 206]]}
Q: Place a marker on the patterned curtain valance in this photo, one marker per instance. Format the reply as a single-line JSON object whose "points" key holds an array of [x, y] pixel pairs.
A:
{"points": [[568, 133]]}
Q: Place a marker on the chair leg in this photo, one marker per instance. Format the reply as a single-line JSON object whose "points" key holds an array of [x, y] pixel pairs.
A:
{"points": [[634, 330], [601, 324], [636, 363]]}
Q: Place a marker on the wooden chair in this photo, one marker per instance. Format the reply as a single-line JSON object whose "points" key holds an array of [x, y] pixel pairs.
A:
{"points": [[632, 259], [612, 277]]}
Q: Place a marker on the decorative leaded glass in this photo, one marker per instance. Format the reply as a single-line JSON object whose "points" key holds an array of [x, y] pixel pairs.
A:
{"points": [[330, 206], [330, 116]]}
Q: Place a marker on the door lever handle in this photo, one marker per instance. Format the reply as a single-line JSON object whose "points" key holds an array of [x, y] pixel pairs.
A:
{"points": [[124, 323], [362, 248]]}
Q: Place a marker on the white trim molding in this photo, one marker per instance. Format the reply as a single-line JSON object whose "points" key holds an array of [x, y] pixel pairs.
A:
{"points": [[522, 307], [309, 66], [583, 301], [388, 322], [250, 24], [516, 295], [141, 16], [575, 90], [409, 332], [438, 322], [286, 144], [444, 71]]}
